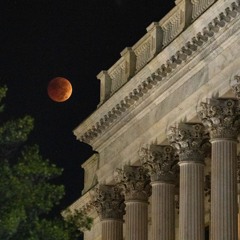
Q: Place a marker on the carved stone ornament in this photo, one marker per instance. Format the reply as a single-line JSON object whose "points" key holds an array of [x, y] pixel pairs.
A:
{"points": [[235, 84], [160, 161], [108, 202], [87, 133], [134, 182], [221, 117], [190, 141]]}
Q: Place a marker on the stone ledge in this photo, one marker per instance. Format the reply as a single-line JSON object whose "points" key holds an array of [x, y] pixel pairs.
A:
{"points": [[97, 124]]}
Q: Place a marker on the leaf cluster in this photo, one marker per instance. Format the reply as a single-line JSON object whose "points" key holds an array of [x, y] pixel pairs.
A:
{"points": [[27, 192]]}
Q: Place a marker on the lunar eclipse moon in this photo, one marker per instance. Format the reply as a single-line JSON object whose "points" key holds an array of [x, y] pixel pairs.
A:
{"points": [[59, 89]]}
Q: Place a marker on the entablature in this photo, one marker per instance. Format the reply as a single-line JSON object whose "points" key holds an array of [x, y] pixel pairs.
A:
{"points": [[208, 33]]}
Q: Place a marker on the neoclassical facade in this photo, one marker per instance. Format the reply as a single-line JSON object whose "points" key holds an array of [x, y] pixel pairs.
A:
{"points": [[166, 131]]}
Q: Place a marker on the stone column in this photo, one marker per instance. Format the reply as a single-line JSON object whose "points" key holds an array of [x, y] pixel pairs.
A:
{"points": [[135, 185], [191, 144], [161, 161], [238, 191], [109, 204], [222, 119], [235, 84]]}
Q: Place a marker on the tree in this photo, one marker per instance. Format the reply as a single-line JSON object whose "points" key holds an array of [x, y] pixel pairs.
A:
{"points": [[27, 193]]}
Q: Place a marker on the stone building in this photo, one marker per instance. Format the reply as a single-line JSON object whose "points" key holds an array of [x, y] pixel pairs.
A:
{"points": [[166, 131]]}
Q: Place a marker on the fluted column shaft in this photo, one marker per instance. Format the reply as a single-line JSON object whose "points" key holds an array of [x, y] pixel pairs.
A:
{"points": [[134, 182], [222, 119], [238, 217], [109, 204], [161, 163], [163, 211], [191, 143], [136, 220], [224, 190], [238, 189], [191, 203], [112, 229]]}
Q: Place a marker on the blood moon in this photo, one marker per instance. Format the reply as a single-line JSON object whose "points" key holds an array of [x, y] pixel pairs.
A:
{"points": [[59, 89]]}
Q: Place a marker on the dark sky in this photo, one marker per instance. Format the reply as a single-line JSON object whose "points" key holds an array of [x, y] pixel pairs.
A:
{"points": [[76, 39]]}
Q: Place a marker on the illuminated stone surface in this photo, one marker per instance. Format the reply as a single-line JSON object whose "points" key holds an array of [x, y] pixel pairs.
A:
{"points": [[153, 87]]}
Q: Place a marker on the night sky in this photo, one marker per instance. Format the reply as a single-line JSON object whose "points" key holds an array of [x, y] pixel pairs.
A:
{"points": [[75, 39]]}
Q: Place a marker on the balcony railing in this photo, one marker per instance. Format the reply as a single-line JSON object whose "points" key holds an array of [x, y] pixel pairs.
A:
{"points": [[148, 46], [158, 36], [199, 6]]}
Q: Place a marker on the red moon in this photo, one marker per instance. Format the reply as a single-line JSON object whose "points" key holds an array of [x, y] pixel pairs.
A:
{"points": [[59, 89]]}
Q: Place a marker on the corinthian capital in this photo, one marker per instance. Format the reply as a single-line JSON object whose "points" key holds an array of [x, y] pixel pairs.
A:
{"points": [[160, 161], [134, 182], [221, 117], [108, 202], [190, 141]]}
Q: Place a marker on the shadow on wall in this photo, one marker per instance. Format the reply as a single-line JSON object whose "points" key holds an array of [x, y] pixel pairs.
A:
{"points": [[207, 233]]}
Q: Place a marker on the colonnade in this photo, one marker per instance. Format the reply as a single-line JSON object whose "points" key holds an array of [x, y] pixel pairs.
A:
{"points": [[163, 165]]}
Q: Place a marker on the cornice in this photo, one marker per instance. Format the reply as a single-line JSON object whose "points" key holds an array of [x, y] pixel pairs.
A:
{"points": [[84, 204], [120, 105]]}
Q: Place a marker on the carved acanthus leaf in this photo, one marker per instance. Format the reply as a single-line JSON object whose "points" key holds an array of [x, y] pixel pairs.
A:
{"points": [[235, 84], [190, 141], [108, 202], [221, 117], [160, 161], [134, 182]]}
